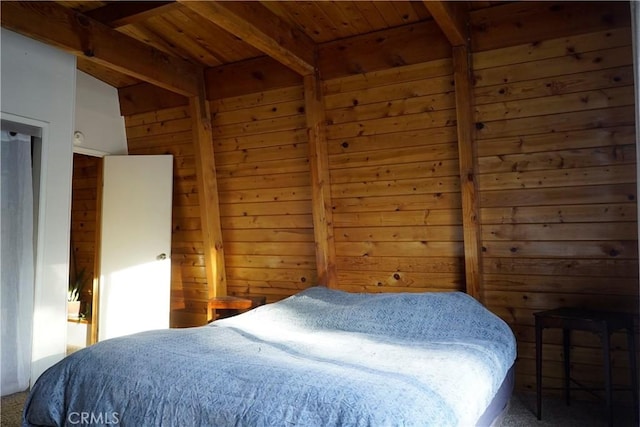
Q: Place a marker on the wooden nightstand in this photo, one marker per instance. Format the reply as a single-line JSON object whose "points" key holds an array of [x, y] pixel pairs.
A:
{"points": [[230, 306]]}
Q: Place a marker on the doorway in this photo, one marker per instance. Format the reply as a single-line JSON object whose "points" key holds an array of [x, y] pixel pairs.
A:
{"points": [[21, 157], [83, 274], [120, 245]]}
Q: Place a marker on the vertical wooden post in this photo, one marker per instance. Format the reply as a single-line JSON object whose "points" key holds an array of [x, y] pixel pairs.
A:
{"points": [[208, 196], [320, 182], [468, 170]]}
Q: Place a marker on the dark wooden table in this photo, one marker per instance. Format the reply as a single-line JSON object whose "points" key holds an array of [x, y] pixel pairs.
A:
{"points": [[603, 324]]}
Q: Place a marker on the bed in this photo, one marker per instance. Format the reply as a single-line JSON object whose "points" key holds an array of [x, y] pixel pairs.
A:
{"points": [[319, 358]]}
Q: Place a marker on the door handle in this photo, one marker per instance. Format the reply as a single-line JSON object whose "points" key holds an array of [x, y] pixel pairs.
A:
{"points": [[161, 257]]}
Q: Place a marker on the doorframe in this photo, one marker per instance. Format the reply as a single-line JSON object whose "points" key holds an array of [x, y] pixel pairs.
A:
{"points": [[95, 292]]}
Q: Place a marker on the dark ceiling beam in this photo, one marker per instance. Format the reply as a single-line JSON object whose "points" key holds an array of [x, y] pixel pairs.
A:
{"points": [[82, 36], [452, 18], [121, 13], [259, 27]]}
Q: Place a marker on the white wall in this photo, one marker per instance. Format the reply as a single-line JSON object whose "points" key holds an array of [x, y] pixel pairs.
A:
{"points": [[98, 117], [38, 82]]}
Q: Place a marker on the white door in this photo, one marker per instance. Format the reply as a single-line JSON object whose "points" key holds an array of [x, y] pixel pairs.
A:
{"points": [[135, 269]]}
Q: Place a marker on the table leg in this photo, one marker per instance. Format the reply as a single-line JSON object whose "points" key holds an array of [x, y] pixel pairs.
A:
{"points": [[566, 344], [606, 354], [538, 369], [633, 365]]}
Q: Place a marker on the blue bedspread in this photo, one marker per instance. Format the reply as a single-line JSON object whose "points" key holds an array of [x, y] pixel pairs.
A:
{"points": [[319, 358]]}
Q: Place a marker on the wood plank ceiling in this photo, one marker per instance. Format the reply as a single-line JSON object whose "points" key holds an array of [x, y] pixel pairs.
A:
{"points": [[204, 34]]}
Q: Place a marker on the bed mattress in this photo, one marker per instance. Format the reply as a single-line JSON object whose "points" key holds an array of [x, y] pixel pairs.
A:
{"points": [[500, 402], [322, 357]]}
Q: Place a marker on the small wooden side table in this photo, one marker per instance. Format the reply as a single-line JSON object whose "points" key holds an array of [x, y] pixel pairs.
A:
{"points": [[230, 306], [603, 324]]}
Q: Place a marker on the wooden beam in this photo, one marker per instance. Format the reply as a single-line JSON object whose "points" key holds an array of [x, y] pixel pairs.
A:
{"points": [[107, 75], [145, 97], [73, 32], [320, 182], [452, 18], [121, 13], [532, 22], [208, 196], [251, 76], [462, 72], [262, 29], [381, 50]]}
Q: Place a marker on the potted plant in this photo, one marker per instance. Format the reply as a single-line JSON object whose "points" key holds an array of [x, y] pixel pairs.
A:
{"points": [[76, 285]]}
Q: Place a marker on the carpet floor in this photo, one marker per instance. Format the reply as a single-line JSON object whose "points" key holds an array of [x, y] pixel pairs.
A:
{"points": [[11, 409], [555, 413], [521, 413]]}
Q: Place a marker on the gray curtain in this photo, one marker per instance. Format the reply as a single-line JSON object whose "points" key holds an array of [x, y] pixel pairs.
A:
{"points": [[17, 262]]}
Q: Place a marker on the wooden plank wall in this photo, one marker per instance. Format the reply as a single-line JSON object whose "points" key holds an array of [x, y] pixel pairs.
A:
{"points": [[556, 155], [557, 184], [261, 152], [393, 160], [83, 220], [168, 131]]}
